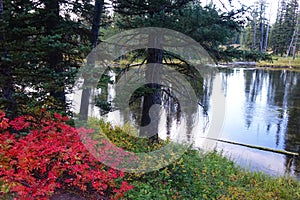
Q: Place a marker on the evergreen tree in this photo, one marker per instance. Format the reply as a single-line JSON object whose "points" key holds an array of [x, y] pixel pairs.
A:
{"points": [[44, 46], [277, 39], [257, 28], [290, 24], [284, 27], [7, 88], [137, 14], [204, 24], [86, 92]]}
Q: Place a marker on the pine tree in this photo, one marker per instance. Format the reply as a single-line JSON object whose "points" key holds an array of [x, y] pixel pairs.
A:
{"points": [[44, 47], [284, 27], [204, 24], [257, 28], [7, 88], [290, 24], [136, 14], [86, 92], [277, 39]]}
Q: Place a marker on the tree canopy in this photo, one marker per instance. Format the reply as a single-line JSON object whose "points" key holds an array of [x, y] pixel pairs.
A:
{"points": [[44, 43]]}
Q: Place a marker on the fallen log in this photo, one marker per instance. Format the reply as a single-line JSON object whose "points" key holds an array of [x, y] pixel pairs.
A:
{"points": [[256, 147]]}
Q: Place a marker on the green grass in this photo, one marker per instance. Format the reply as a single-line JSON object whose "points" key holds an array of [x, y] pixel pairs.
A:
{"points": [[199, 175], [282, 62], [196, 175]]}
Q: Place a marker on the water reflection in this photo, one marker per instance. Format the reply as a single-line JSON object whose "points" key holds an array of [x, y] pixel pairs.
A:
{"points": [[177, 113], [262, 109]]}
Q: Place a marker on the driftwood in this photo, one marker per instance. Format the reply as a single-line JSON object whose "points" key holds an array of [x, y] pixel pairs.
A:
{"points": [[256, 147], [244, 63]]}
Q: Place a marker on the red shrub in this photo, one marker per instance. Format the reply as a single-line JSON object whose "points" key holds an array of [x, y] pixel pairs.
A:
{"points": [[49, 157]]}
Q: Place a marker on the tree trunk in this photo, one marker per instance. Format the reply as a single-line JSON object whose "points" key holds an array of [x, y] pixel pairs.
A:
{"points": [[10, 105], [291, 44], [254, 33], [268, 31], [296, 38], [55, 57], [295, 47], [153, 77], [261, 43], [267, 37], [86, 92]]}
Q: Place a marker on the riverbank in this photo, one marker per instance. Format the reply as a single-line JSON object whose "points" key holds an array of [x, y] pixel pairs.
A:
{"points": [[195, 175], [278, 63], [199, 175], [281, 63]]}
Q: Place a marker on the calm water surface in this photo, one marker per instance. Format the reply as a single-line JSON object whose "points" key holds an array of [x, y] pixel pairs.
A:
{"points": [[262, 108]]}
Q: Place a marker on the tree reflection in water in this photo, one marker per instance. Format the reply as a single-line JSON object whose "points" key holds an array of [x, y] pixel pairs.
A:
{"points": [[265, 111]]}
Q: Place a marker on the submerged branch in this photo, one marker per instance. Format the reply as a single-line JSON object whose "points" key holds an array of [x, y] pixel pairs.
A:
{"points": [[255, 147]]}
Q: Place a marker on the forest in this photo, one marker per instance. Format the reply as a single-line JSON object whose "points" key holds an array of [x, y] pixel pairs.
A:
{"points": [[43, 44], [48, 151]]}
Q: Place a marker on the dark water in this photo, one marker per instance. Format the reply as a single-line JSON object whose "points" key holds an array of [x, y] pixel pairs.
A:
{"points": [[262, 108]]}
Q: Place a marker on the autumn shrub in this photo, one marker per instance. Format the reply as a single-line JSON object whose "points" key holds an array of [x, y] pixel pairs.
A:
{"points": [[195, 175], [51, 156]]}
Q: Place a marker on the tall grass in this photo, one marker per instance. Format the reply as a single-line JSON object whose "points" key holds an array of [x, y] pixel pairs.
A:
{"points": [[282, 62]]}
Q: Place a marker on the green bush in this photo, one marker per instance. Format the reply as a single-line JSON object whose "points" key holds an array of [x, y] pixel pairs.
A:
{"points": [[196, 175]]}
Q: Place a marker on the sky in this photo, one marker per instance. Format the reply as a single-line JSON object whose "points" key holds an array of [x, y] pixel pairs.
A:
{"points": [[271, 6]]}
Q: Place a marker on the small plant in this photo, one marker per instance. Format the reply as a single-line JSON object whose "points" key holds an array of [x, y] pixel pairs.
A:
{"points": [[49, 157]]}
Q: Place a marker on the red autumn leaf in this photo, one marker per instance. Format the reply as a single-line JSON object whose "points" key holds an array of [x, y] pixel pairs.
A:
{"points": [[51, 156]]}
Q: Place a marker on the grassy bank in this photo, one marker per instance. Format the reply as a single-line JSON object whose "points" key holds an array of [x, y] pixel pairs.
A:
{"points": [[199, 175], [209, 176], [195, 175], [281, 62]]}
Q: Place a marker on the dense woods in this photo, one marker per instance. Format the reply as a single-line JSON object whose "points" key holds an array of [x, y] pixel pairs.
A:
{"points": [[280, 38], [45, 44]]}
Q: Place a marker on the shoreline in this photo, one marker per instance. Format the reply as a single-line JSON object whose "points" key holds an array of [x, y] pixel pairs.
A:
{"points": [[257, 65]]}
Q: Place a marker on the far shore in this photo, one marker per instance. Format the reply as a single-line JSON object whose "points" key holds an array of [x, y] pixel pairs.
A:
{"points": [[278, 63]]}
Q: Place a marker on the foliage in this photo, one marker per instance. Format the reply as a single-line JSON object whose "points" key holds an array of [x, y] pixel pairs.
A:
{"points": [[43, 47], [125, 137], [282, 62], [231, 53], [196, 175], [51, 157], [199, 175], [284, 26], [209, 27], [206, 25]]}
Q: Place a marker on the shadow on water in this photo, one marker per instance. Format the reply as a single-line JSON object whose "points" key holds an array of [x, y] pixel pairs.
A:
{"points": [[174, 118], [262, 109]]}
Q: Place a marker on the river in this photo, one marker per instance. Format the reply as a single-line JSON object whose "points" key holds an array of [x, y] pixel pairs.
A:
{"points": [[262, 108]]}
